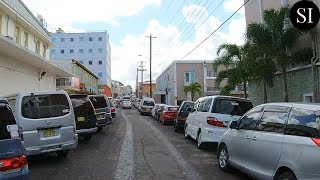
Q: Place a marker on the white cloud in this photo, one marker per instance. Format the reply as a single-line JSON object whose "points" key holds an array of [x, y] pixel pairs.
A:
{"points": [[233, 5]]}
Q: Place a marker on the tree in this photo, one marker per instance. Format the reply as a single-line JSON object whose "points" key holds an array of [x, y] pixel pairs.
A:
{"points": [[276, 38], [193, 88], [232, 57]]}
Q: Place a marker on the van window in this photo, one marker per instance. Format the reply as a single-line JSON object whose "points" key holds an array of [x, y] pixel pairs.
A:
{"points": [[272, 121], [148, 103], [201, 104], [250, 120], [81, 105], [303, 123], [7, 118], [98, 102], [183, 111], [207, 105], [231, 106], [172, 108], [45, 106]]}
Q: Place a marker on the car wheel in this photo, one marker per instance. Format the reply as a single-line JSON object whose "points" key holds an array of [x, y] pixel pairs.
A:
{"points": [[287, 175], [100, 128], [186, 135], [223, 158], [199, 140], [88, 137], [62, 154]]}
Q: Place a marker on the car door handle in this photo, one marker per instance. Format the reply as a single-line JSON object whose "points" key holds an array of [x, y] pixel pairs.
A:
{"points": [[247, 137], [254, 138]]}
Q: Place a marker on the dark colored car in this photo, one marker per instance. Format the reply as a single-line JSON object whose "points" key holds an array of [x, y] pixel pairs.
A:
{"points": [[85, 118], [13, 164], [158, 111], [182, 115], [102, 110]]}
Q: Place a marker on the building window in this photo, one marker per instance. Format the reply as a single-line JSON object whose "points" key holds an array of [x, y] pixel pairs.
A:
{"points": [[25, 39], [211, 74], [81, 51], [71, 51], [100, 39], [53, 40], [44, 52], [99, 74], [100, 50], [90, 38], [37, 46], [100, 62], [81, 39], [90, 62], [62, 51], [17, 35], [90, 50], [308, 98], [71, 39], [62, 39], [189, 77], [81, 62]]}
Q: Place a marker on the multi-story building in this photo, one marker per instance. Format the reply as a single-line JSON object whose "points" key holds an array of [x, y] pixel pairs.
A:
{"points": [[146, 88], [84, 79], [92, 49], [300, 79], [171, 82], [24, 51]]}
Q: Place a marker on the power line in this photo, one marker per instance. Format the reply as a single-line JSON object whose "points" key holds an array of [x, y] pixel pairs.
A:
{"points": [[168, 8], [215, 30], [177, 12], [164, 1]]}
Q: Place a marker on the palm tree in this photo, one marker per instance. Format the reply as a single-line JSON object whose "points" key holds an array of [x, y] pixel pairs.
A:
{"points": [[276, 38], [193, 88], [232, 57]]}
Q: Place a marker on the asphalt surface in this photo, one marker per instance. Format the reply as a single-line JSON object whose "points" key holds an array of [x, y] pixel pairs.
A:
{"points": [[133, 147]]}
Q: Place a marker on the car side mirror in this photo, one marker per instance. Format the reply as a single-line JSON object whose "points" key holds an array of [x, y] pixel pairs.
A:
{"points": [[188, 109], [233, 125]]}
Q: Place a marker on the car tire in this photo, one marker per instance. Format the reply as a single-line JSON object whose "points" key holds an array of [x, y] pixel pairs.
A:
{"points": [[286, 175], [87, 137], [223, 158], [186, 135], [100, 128], [62, 154], [199, 140]]}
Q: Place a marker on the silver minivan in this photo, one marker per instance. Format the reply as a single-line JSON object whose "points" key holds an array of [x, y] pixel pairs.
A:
{"points": [[274, 141], [45, 121]]}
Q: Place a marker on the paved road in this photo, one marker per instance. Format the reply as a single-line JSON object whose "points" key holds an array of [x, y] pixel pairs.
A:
{"points": [[134, 147]]}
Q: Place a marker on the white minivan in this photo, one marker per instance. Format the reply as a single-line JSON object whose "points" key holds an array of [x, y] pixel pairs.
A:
{"points": [[210, 116], [45, 122]]}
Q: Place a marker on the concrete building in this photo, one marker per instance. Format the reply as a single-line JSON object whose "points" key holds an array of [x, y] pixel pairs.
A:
{"points": [[92, 49], [146, 88], [84, 80], [24, 51], [171, 82], [299, 79]]}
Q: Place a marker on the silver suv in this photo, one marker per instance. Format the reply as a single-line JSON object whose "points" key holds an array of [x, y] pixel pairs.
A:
{"points": [[274, 141]]}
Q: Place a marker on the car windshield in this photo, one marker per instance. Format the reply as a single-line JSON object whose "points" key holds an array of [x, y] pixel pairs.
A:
{"points": [[98, 102], [81, 105], [148, 103]]}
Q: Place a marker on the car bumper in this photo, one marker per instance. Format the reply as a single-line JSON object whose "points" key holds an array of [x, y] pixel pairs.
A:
{"points": [[126, 106], [212, 134], [86, 131], [145, 111], [52, 148], [105, 121], [23, 175]]}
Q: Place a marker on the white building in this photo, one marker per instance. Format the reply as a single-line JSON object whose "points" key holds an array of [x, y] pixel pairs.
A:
{"points": [[24, 51]]}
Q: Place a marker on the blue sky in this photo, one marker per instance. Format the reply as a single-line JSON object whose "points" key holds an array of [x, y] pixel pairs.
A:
{"points": [[128, 22]]}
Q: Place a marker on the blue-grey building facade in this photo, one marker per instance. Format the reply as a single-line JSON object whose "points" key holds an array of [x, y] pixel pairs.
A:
{"points": [[92, 49]]}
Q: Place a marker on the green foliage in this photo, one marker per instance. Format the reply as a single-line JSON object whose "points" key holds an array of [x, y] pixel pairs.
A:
{"points": [[193, 88]]}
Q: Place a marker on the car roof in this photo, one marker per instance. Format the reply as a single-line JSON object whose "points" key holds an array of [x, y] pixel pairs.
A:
{"points": [[229, 97], [36, 93], [309, 106], [148, 99]]}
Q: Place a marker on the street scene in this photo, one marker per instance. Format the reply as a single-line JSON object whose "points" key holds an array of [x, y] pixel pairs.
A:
{"points": [[160, 89]]}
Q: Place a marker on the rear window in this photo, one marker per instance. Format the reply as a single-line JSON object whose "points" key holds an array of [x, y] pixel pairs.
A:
{"points": [[45, 106], [6, 119], [183, 110], [304, 123], [172, 108], [81, 105], [98, 102], [231, 106], [148, 103]]}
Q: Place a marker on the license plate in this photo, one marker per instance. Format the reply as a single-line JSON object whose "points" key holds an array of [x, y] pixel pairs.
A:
{"points": [[81, 119], [49, 133], [100, 116]]}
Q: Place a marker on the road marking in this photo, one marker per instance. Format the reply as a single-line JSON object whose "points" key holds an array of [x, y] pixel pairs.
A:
{"points": [[187, 170], [125, 165]]}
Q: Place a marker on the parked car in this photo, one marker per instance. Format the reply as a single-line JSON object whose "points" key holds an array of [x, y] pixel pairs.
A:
{"points": [[45, 121], [210, 116], [137, 103], [154, 109], [102, 110], [182, 114], [86, 121], [126, 104], [168, 114], [146, 106], [112, 107], [158, 111], [283, 141], [13, 163]]}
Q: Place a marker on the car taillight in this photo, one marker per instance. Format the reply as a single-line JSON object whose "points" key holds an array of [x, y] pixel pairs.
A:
{"points": [[215, 122], [113, 109], [316, 140], [13, 163]]}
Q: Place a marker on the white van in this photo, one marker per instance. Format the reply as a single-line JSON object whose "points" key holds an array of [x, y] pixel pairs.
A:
{"points": [[146, 105], [46, 122]]}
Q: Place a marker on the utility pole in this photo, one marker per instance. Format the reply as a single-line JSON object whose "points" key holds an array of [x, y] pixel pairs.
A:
{"points": [[137, 84], [150, 38], [141, 69]]}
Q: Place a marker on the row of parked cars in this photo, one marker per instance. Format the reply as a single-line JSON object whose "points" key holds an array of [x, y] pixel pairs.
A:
{"points": [[45, 122], [278, 141]]}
